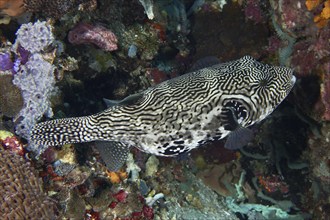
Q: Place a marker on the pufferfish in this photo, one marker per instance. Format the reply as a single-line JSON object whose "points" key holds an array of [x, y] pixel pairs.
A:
{"points": [[180, 114]]}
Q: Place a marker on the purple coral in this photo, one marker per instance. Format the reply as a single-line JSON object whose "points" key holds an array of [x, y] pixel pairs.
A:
{"points": [[84, 33], [36, 81], [5, 62]]}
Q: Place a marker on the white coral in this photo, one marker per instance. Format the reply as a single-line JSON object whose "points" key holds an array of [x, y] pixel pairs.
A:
{"points": [[34, 37]]}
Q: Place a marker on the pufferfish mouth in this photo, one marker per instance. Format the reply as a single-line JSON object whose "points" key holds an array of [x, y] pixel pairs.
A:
{"points": [[293, 80]]}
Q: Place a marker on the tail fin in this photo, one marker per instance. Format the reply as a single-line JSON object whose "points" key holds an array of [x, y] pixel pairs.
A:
{"points": [[64, 131]]}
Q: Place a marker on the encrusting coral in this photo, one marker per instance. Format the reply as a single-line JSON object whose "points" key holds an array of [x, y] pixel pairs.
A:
{"points": [[84, 33]]}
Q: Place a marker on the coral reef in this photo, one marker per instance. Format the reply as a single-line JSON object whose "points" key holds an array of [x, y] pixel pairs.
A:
{"points": [[58, 8], [22, 196], [282, 173]]}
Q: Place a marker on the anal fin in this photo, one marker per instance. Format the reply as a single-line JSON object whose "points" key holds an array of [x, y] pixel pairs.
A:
{"points": [[114, 154]]}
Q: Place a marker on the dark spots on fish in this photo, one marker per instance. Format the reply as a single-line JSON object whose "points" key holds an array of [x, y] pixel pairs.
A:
{"points": [[201, 142], [208, 135], [178, 142], [165, 145]]}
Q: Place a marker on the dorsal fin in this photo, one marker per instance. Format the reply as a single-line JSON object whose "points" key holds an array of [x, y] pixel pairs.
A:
{"points": [[131, 99]]}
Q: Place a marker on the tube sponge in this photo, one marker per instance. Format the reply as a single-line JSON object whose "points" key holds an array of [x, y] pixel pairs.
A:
{"points": [[36, 81], [34, 76]]}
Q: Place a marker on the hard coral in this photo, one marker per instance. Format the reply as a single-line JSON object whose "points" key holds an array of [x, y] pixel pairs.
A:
{"points": [[12, 7], [21, 195], [84, 33]]}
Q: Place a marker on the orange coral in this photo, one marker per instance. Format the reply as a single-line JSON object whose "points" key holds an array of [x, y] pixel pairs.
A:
{"points": [[12, 7], [326, 10], [321, 19], [117, 177], [311, 4]]}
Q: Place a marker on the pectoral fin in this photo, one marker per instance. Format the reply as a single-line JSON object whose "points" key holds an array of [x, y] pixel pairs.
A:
{"points": [[238, 138], [114, 154]]}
